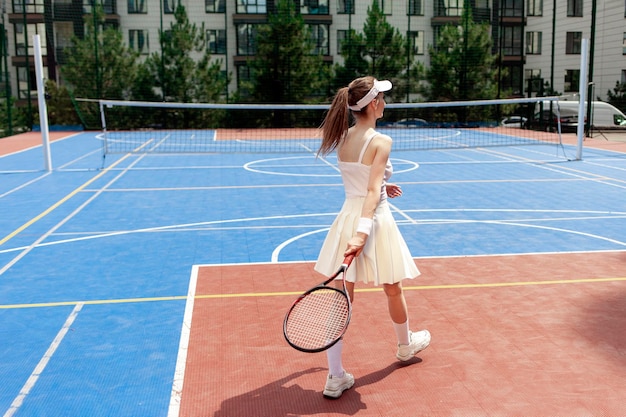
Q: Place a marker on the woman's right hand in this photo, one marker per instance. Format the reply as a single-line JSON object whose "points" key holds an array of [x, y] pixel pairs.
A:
{"points": [[356, 244]]}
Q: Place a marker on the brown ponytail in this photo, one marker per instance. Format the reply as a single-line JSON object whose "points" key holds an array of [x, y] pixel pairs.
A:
{"points": [[337, 121]]}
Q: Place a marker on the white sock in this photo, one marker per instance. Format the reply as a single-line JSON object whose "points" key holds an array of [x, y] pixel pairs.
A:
{"points": [[333, 354], [402, 332]]}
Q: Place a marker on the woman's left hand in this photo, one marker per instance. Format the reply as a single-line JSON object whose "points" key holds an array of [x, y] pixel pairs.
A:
{"points": [[393, 190]]}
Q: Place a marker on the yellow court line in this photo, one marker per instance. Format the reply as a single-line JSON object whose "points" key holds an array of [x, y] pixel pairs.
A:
{"points": [[58, 203], [295, 293]]}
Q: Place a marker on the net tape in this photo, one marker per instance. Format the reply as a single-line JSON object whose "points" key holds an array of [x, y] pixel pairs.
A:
{"points": [[164, 127]]}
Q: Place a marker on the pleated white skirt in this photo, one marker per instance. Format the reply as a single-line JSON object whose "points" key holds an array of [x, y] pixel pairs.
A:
{"points": [[385, 259]]}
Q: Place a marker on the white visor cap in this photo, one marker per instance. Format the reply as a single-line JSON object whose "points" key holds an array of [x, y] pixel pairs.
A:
{"points": [[379, 87]]}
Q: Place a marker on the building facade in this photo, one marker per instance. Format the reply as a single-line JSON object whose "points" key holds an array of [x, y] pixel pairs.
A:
{"points": [[538, 41]]}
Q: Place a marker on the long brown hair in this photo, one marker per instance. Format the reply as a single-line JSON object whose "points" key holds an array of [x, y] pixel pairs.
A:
{"points": [[337, 121]]}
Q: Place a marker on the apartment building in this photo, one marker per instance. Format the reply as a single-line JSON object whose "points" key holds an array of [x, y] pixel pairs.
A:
{"points": [[538, 40]]}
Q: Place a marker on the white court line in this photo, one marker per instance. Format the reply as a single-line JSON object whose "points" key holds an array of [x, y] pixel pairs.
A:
{"points": [[183, 347], [250, 166], [34, 376], [26, 184], [221, 225]]}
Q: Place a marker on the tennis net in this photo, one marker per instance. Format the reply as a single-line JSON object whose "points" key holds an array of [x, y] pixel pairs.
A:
{"points": [[162, 127]]}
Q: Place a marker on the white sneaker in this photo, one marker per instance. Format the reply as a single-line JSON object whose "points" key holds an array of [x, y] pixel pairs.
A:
{"points": [[336, 385], [418, 341]]}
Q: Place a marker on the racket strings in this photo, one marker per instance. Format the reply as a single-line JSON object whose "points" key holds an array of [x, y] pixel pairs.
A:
{"points": [[318, 319]]}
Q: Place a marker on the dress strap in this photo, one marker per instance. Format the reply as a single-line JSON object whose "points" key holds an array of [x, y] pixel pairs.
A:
{"points": [[366, 144]]}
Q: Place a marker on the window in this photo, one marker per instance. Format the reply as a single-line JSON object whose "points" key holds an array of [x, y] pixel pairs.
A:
{"points": [[436, 33], [251, 6], [449, 7], [415, 8], [26, 81], [534, 81], [63, 34], [574, 8], [513, 81], [533, 43], [138, 40], [216, 41], [246, 36], [215, 6], [108, 6], [416, 42], [512, 40], [341, 37], [572, 78], [313, 6], [573, 42], [345, 6], [24, 38], [512, 8], [27, 6], [624, 45], [534, 8], [531, 74], [169, 6], [245, 75], [385, 6], [623, 77], [137, 6], [319, 37]]}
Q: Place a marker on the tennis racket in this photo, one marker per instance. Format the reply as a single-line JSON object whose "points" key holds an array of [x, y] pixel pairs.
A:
{"points": [[320, 316]]}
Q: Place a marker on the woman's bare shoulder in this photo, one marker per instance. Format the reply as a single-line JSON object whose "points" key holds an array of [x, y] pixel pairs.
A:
{"points": [[382, 139]]}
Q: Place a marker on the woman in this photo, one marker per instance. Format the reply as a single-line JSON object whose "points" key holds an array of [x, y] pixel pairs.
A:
{"points": [[365, 226]]}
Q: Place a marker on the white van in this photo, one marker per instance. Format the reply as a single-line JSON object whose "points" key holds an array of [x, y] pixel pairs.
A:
{"points": [[603, 115]]}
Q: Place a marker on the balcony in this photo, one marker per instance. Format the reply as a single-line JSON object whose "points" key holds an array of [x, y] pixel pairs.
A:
{"points": [[444, 15]]}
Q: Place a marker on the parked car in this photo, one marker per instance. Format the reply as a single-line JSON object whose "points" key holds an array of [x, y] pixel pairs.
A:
{"points": [[603, 115], [414, 122], [514, 121], [549, 120]]}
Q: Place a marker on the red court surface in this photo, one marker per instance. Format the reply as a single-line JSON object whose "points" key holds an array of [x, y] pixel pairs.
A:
{"points": [[28, 140], [530, 335]]}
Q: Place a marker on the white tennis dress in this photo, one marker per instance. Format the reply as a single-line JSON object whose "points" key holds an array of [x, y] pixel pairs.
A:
{"points": [[385, 259]]}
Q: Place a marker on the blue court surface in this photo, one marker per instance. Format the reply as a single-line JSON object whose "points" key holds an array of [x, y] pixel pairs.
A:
{"points": [[96, 256]]}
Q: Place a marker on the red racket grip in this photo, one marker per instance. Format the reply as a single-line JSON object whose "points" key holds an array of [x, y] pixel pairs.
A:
{"points": [[348, 260]]}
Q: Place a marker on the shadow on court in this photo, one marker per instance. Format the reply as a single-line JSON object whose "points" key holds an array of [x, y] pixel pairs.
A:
{"points": [[603, 323], [285, 397]]}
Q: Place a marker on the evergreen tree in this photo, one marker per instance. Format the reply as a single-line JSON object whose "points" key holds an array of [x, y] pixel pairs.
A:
{"points": [[99, 66], [380, 50], [286, 68], [107, 71], [179, 76], [617, 97], [354, 63], [384, 45], [462, 67]]}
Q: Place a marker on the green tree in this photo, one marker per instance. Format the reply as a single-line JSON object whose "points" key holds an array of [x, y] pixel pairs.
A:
{"points": [[59, 105], [100, 65], [183, 72], [13, 119], [286, 67], [380, 50], [354, 63], [178, 76], [617, 97], [462, 66]]}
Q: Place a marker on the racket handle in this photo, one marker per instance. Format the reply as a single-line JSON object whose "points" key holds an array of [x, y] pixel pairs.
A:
{"points": [[348, 260]]}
